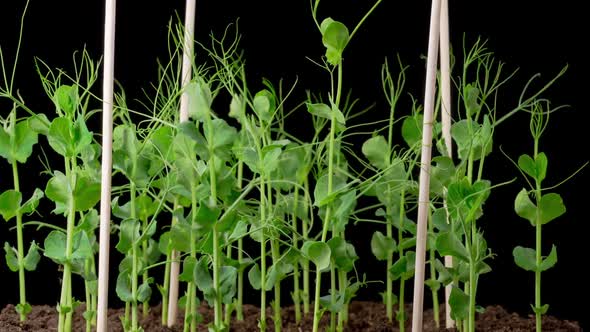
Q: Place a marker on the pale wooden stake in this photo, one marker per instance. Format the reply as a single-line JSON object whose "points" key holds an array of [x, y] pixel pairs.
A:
{"points": [[106, 165], [445, 75], [187, 58], [425, 159]]}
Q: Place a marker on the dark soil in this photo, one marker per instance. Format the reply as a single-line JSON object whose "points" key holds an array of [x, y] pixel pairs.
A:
{"points": [[364, 316]]}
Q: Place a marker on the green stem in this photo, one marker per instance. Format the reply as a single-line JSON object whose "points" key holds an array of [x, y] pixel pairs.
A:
{"points": [[538, 248], [296, 291], [539, 260], [134, 257], [65, 319], [317, 315], [87, 294], [472, 285], [19, 243], [305, 264], [134, 273], [274, 245], [228, 307], [402, 284], [262, 322], [432, 254], [342, 285], [389, 279], [165, 289], [145, 276], [218, 307], [188, 313], [332, 296], [239, 310], [192, 287]]}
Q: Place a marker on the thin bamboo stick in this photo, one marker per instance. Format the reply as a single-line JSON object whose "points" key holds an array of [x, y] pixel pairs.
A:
{"points": [[187, 57], [445, 74], [106, 164], [425, 159]]}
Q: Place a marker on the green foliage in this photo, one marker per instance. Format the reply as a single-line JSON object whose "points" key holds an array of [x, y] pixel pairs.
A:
{"points": [[382, 246], [335, 37], [319, 253], [17, 141]]}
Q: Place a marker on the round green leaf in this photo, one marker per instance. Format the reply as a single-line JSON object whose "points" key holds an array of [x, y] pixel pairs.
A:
{"points": [[317, 252], [382, 246]]}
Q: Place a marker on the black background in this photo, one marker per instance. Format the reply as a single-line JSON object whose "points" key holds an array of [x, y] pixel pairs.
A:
{"points": [[535, 36]]}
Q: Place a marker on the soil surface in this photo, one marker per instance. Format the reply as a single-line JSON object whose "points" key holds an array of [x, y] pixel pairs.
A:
{"points": [[363, 316]]}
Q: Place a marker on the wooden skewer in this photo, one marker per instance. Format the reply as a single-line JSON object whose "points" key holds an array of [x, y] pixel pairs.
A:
{"points": [[187, 58], [106, 165], [425, 159], [445, 75]]}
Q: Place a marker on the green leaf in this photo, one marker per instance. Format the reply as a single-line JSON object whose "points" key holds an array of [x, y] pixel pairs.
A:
{"points": [[66, 99], [317, 252], [39, 124], [525, 258], [471, 97], [200, 98], [527, 165], [270, 159], [87, 193], [377, 151], [412, 130], [334, 37], [549, 261], [320, 110], [382, 246], [541, 310], [524, 207], [223, 137], [459, 303], [206, 216], [188, 269], [447, 244], [321, 195], [202, 278], [16, 144], [10, 256], [404, 267], [439, 220], [441, 174], [144, 292], [69, 138], [237, 107], [254, 277], [128, 234], [551, 206], [10, 204], [23, 309], [59, 137], [82, 249], [470, 135], [239, 231], [264, 105], [537, 169], [228, 276], [55, 247], [32, 258], [541, 166], [277, 272], [343, 208], [343, 254], [123, 287], [31, 204]]}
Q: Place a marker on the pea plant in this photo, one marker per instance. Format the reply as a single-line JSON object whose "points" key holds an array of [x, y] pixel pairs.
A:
{"points": [[240, 202], [546, 207]]}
